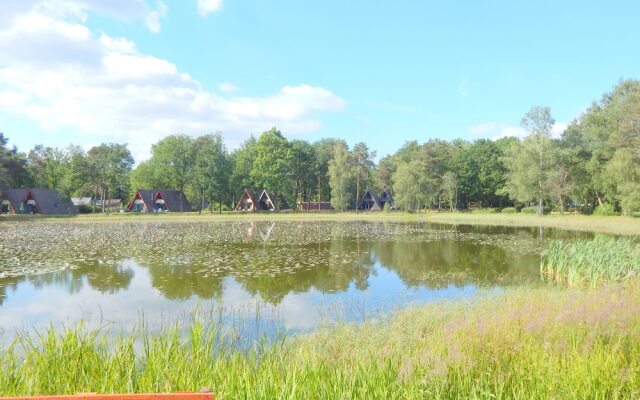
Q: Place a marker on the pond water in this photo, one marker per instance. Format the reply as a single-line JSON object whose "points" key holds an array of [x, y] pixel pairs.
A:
{"points": [[255, 277]]}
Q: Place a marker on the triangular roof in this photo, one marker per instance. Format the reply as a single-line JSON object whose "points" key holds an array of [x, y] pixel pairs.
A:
{"points": [[173, 199], [369, 197], [248, 196], [264, 196], [387, 197], [146, 195], [47, 201]]}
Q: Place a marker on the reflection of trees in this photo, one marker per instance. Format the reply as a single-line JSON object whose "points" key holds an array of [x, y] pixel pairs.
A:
{"points": [[106, 278], [332, 268], [179, 282], [443, 262], [9, 282]]}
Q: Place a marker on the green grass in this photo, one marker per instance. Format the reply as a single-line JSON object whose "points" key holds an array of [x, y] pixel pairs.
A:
{"points": [[584, 262], [528, 343]]}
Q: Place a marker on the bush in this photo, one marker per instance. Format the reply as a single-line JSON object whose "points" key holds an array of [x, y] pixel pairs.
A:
{"points": [[635, 214], [605, 210], [509, 210]]}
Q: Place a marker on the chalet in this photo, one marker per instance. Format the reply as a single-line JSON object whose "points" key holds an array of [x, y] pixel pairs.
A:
{"points": [[387, 198], [34, 201], [158, 200], [369, 202], [315, 206], [260, 201]]}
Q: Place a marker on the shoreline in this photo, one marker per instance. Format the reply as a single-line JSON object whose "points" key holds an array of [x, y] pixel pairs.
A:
{"points": [[588, 223]]}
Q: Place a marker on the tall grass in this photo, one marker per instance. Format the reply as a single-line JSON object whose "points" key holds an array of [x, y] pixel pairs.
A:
{"points": [[591, 262], [524, 343]]}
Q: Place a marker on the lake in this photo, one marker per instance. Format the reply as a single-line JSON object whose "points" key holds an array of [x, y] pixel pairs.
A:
{"points": [[255, 277]]}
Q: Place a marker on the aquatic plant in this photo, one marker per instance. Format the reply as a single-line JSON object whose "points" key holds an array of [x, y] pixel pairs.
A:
{"points": [[591, 262], [524, 343]]}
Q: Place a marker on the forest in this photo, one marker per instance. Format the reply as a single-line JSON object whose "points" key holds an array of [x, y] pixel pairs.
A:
{"points": [[594, 166]]}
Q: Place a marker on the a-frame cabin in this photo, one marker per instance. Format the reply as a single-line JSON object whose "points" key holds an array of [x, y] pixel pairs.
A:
{"points": [[34, 201], [260, 201], [387, 198], [159, 200], [369, 202]]}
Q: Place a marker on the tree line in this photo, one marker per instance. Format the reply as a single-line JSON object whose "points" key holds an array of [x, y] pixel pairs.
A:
{"points": [[595, 163]]}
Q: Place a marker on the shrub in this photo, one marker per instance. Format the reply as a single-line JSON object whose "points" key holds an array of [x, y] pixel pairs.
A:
{"points": [[509, 210], [605, 209], [85, 209]]}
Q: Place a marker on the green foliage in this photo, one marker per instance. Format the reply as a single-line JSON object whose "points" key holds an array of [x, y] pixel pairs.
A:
{"points": [[605, 209], [594, 262], [340, 177], [273, 164], [486, 210], [410, 186], [509, 210], [535, 210]]}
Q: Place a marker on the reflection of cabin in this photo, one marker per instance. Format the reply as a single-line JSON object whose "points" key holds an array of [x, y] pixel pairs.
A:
{"points": [[315, 206], [159, 200], [387, 198], [34, 201], [260, 201], [369, 202]]}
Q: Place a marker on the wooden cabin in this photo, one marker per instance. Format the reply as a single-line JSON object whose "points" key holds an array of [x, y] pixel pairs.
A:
{"points": [[159, 200], [369, 202], [34, 201], [387, 198], [260, 201], [315, 206]]}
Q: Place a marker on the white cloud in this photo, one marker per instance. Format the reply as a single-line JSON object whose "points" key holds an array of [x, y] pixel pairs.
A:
{"points": [[558, 129], [227, 87], [152, 19], [483, 128], [499, 130], [59, 74], [207, 6]]}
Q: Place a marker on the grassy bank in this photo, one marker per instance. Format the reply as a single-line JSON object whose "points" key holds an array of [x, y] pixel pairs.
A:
{"points": [[523, 343], [613, 224]]}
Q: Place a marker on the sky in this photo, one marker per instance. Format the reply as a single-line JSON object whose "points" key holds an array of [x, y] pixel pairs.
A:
{"points": [[384, 72]]}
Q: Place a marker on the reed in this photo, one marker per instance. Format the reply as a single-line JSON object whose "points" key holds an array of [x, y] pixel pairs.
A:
{"points": [[530, 343], [592, 263]]}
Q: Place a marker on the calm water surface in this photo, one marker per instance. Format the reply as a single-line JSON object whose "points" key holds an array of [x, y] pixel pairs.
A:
{"points": [[257, 278]]}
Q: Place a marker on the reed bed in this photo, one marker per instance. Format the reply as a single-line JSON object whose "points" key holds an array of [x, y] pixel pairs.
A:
{"points": [[529, 343], [583, 262]]}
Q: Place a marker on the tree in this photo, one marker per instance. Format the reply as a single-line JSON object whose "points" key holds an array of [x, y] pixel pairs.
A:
{"points": [[47, 165], [450, 189], [323, 151], [241, 165], [211, 169], [273, 163], [173, 158], [109, 168], [340, 176], [362, 159], [304, 170], [13, 167], [75, 174], [530, 162], [411, 184]]}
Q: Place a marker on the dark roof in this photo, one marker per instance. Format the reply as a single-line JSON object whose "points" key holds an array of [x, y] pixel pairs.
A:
{"points": [[146, 195], [386, 197], [173, 200], [48, 202], [369, 196]]}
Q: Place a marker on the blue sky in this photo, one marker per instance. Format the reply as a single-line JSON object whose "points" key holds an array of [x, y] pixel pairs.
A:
{"points": [[89, 71]]}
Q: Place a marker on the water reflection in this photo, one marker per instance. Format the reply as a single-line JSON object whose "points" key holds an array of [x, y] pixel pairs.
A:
{"points": [[296, 270]]}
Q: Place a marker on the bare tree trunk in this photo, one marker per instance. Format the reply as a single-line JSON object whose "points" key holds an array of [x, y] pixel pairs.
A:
{"points": [[201, 202]]}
